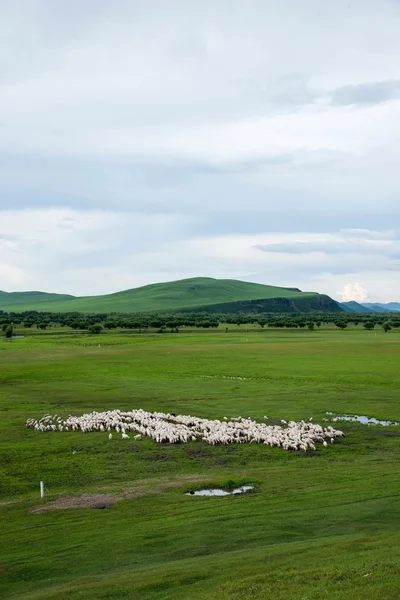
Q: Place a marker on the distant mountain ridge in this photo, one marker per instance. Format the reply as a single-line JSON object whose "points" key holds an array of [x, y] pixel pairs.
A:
{"points": [[355, 307], [194, 294], [370, 307], [386, 306]]}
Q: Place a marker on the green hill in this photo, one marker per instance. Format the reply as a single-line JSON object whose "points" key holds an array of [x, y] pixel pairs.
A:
{"points": [[19, 301], [355, 307], [186, 294]]}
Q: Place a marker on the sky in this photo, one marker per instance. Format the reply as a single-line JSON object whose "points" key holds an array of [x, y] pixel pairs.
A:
{"points": [[154, 140]]}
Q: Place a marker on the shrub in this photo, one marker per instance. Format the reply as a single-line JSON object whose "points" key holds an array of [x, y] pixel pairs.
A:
{"points": [[386, 326], [97, 328]]}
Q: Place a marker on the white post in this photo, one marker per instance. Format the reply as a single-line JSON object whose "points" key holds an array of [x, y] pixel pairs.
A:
{"points": [[41, 489]]}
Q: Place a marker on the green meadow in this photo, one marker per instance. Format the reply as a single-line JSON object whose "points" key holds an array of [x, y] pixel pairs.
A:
{"points": [[323, 524]]}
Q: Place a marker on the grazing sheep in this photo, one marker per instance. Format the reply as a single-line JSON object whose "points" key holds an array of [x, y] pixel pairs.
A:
{"points": [[171, 428]]}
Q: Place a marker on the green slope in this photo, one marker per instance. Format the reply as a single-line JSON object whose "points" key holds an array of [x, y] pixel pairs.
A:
{"points": [[184, 294], [20, 301], [355, 307], [299, 303]]}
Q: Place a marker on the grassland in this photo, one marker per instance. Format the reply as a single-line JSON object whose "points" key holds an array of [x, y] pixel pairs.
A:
{"points": [[20, 301], [192, 293], [318, 525]]}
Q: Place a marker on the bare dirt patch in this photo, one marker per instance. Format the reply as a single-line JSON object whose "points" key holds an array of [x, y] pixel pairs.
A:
{"points": [[83, 501], [104, 500]]}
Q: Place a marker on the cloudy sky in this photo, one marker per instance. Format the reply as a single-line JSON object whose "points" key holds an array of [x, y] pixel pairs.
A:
{"points": [[151, 140]]}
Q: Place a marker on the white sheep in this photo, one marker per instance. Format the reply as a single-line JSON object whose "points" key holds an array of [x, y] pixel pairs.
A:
{"points": [[172, 428]]}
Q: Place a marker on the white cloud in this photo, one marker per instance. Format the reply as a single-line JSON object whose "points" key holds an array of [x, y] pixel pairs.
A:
{"points": [[94, 252], [199, 138], [354, 291]]}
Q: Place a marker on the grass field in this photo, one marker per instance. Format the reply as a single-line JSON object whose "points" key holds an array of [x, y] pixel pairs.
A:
{"points": [[318, 525]]}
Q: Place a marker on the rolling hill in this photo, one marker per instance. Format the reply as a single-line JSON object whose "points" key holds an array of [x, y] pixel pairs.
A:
{"points": [[355, 307], [370, 307], [383, 307], [15, 300], [199, 293]]}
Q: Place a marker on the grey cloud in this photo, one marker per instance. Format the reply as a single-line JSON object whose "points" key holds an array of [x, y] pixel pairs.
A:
{"points": [[215, 113], [367, 93], [215, 199], [305, 248], [284, 93], [344, 244], [9, 237]]}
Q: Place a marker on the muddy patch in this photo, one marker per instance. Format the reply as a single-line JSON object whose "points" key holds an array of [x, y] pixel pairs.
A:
{"points": [[84, 501], [6, 502], [105, 500]]}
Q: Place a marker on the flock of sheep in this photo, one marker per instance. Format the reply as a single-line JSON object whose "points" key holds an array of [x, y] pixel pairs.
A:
{"points": [[172, 429]]}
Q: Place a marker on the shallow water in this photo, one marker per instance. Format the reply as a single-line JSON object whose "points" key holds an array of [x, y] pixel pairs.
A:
{"points": [[363, 419], [229, 377], [219, 492]]}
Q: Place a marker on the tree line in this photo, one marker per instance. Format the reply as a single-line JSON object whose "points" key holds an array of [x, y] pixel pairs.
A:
{"points": [[172, 322]]}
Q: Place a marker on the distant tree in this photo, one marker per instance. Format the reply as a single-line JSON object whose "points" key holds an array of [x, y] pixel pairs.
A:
{"points": [[318, 323], [97, 328], [110, 325], [262, 323], [341, 324], [311, 325], [9, 332], [386, 326], [369, 325], [157, 323], [206, 324]]}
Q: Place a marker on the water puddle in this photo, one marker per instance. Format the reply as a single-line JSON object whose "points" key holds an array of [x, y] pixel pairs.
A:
{"points": [[218, 492], [228, 377], [362, 419]]}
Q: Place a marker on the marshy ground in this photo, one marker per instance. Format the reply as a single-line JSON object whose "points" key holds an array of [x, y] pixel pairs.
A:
{"points": [[323, 524]]}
